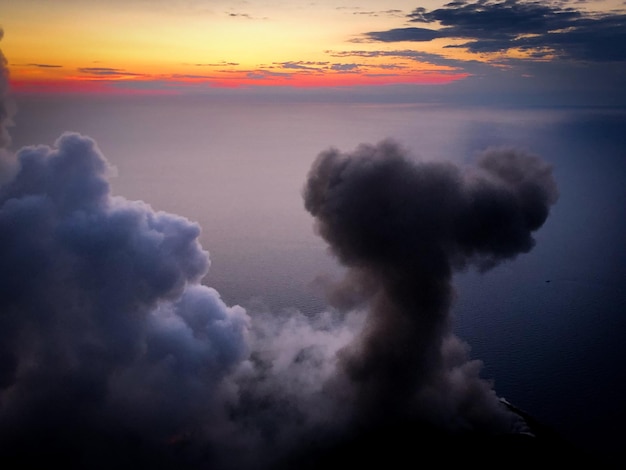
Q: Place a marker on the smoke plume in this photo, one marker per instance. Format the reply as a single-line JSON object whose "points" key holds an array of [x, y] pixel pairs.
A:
{"points": [[114, 354], [402, 228], [105, 329], [112, 350]]}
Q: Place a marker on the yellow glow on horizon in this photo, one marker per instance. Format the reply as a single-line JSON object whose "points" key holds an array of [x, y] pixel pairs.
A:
{"points": [[165, 40]]}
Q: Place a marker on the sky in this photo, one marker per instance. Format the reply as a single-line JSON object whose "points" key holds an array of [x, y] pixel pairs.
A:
{"points": [[115, 352], [572, 51]]}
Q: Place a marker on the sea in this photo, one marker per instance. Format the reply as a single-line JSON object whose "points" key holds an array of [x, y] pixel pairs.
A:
{"points": [[549, 326]]}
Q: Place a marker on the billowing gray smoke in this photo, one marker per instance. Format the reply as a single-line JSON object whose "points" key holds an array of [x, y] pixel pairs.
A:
{"points": [[106, 334], [402, 228], [114, 354]]}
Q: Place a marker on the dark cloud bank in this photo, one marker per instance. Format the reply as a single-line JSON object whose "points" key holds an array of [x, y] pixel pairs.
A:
{"points": [[545, 28], [113, 354]]}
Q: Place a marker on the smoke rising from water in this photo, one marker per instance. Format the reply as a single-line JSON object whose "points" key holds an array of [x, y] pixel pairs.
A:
{"points": [[106, 329], [111, 349], [402, 228], [113, 352]]}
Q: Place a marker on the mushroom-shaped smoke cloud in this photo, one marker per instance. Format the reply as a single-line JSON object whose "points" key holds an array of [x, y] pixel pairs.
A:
{"points": [[402, 228]]}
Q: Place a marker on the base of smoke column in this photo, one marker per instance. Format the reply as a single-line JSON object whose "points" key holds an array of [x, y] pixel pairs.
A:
{"points": [[410, 445], [401, 446]]}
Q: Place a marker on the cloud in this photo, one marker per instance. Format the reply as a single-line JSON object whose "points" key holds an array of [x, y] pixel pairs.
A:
{"points": [[537, 27], [45, 66], [391, 12], [361, 12], [239, 15], [497, 19], [180, 76], [418, 56], [345, 67], [247, 16], [265, 74], [404, 34], [219, 64], [111, 349], [105, 327], [302, 65], [106, 71]]}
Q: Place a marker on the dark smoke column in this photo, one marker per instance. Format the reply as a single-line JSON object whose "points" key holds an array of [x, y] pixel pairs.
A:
{"points": [[402, 228]]}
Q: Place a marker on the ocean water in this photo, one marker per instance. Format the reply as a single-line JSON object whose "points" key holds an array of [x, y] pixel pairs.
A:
{"points": [[549, 325]]}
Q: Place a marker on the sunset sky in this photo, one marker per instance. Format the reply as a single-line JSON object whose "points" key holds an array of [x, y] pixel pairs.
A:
{"points": [[410, 209], [181, 46]]}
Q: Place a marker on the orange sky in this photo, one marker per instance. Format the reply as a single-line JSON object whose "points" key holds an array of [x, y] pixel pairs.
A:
{"points": [[153, 46], [170, 46]]}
